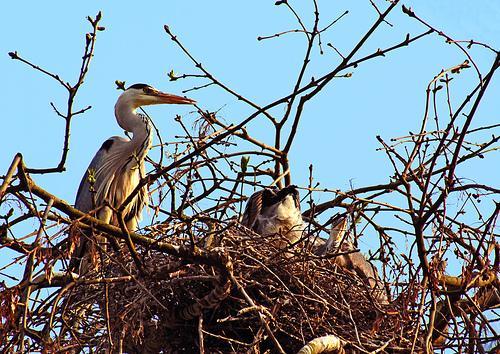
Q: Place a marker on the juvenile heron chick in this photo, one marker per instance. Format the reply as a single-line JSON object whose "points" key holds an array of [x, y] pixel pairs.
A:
{"points": [[352, 259], [273, 211]]}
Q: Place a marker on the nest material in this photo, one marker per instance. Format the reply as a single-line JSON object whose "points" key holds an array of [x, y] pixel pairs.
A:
{"points": [[300, 296]]}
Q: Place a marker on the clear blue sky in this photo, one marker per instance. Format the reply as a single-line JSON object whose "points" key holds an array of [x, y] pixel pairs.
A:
{"points": [[337, 133]]}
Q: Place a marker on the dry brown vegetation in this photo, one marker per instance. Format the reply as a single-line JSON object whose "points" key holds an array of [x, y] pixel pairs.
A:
{"points": [[194, 280]]}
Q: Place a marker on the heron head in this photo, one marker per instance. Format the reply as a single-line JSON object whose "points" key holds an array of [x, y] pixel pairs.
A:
{"points": [[139, 95], [290, 196], [280, 203]]}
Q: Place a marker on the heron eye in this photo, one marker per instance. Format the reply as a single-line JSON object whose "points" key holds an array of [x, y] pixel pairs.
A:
{"points": [[147, 90]]}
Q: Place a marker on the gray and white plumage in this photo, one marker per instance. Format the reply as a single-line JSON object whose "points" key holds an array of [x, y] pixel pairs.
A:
{"points": [[118, 165], [114, 181], [352, 260], [336, 239], [273, 211]]}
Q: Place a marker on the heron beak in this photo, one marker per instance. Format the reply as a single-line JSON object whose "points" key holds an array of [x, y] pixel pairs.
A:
{"points": [[172, 99]]}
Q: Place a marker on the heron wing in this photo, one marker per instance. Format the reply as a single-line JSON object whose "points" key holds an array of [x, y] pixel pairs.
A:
{"points": [[252, 209], [134, 214], [367, 271], [83, 201]]}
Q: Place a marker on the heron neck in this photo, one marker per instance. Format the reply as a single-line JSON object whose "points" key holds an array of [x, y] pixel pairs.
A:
{"points": [[138, 125]]}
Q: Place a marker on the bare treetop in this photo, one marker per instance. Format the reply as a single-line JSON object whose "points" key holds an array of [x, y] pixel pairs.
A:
{"points": [[196, 276]]}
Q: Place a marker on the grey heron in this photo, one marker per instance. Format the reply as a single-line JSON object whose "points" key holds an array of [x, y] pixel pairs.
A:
{"points": [[271, 211], [274, 211], [118, 165], [352, 259]]}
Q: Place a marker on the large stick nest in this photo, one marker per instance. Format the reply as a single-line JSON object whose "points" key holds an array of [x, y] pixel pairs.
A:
{"points": [[300, 296]]}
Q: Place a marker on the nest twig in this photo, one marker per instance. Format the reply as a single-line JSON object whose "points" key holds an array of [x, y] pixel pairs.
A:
{"points": [[298, 296]]}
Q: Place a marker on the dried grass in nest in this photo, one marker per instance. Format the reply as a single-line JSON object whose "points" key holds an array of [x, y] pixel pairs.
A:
{"points": [[300, 296]]}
